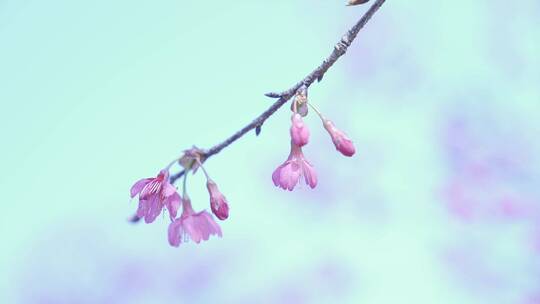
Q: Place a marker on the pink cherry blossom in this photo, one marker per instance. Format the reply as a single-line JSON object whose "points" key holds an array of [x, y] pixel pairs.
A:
{"points": [[192, 225], [287, 175], [218, 202], [341, 141], [299, 131], [154, 194]]}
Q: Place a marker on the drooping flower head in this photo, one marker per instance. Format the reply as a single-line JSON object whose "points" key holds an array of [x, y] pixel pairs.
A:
{"points": [[192, 225], [154, 194], [299, 131], [341, 141], [287, 175], [218, 202]]}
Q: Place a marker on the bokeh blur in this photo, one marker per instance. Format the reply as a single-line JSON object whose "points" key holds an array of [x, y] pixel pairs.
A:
{"points": [[441, 203]]}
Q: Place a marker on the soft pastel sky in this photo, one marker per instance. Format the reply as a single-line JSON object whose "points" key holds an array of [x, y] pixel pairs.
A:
{"points": [[441, 203]]}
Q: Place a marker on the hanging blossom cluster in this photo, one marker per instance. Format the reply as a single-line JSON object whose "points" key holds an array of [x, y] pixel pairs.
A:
{"points": [[289, 174], [157, 194]]}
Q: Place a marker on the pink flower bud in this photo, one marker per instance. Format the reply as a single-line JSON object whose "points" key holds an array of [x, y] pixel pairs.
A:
{"points": [[341, 141], [218, 202], [299, 131]]}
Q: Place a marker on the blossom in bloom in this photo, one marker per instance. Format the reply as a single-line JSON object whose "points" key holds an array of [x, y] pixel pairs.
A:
{"points": [[299, 131], [192, 225], [287, 175], [154, 194], [341, 141], [218, 202]]}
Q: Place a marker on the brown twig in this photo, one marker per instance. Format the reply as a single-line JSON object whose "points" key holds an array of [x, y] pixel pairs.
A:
{"points": [[339, 50]]}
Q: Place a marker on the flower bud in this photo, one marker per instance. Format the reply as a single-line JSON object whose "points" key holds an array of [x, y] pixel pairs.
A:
{"points": [[299, 131], [341, 141], [218, 202]]}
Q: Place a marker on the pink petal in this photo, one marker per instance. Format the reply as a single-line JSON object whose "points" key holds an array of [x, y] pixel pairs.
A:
{"points": [[208, 225], [143, 208], [276, 175], [204, 229], [310, 175], [200, 226], [290, 176], [191, 226], [173, 203], [168, 189], [213, 226], [155, 207], [139, 185], [175, 233]]}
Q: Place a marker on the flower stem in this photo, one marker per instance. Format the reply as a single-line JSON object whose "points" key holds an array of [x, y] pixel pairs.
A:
{"points": [[203, 169], [184, 186], [316, 111], [170, 165]]}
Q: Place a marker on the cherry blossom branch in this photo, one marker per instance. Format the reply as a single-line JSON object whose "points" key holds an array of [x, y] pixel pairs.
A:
{"points": [[317, 74]]}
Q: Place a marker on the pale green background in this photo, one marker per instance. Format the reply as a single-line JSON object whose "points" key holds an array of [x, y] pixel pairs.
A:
{"points": [[97, 94]]}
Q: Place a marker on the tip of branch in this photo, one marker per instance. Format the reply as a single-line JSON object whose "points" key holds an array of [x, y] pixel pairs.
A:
{"points": [[273, 95], [134, 219], [356, 2]]}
